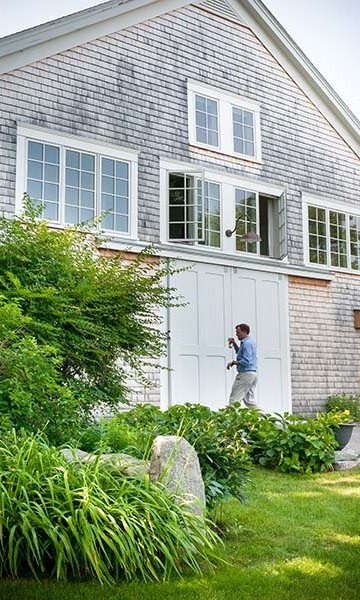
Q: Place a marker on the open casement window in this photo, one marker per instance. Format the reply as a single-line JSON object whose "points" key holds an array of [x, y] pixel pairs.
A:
{"points": [[265, 215], [246, 217], [186, 206], [354, 227], [273, 233]]}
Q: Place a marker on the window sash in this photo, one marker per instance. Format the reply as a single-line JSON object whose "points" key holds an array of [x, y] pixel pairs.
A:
{"points": [[185, 203], [77, 194], [212, 214], [247, 218], [243, 122], [333, 238], [232, 128], [207, 120]]}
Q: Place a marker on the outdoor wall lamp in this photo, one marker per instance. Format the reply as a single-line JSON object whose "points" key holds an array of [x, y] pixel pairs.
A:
{"points": [[250, 236]]}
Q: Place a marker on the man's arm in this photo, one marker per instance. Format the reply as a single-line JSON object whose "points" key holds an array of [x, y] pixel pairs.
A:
{"points": [[232, 343]]}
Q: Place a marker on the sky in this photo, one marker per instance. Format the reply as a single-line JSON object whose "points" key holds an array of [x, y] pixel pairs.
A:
{"points": [[327, 31]]}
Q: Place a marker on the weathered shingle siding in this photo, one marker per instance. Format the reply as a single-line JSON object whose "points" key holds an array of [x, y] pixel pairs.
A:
{"points": [[325, 345], [130, 89]]}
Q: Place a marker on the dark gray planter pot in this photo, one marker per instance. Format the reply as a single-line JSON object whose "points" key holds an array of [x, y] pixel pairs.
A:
{"points": [[343, 434]]}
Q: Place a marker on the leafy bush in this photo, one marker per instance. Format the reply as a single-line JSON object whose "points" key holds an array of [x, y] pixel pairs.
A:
{"points": [[291, 444], [85, 318], [32, 394], [229, 440], [110, 435], [79, 520], [223, 455], [345, 402]]}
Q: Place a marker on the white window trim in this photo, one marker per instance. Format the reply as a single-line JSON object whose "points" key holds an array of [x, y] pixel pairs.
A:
{"points": [[228, 183], [226, 102], [39, 134], [337, 206]]}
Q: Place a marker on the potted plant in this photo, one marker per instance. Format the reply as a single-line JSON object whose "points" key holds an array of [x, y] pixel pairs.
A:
{"points": [[342, 425]]}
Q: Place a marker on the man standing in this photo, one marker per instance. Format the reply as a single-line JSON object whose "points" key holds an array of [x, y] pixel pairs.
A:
{"points": [[246, 364]]}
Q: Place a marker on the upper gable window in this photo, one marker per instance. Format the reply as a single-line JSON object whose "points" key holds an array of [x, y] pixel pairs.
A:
{"points": [[207, 120], [77, 181], [223, 122]]}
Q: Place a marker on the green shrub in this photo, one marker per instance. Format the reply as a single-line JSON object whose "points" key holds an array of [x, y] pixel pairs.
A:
{"points": [[223, 455], [345, 402], [228, 441], [79, 520], [32, 394], [291, 444], [114, 436], [86, 316]]}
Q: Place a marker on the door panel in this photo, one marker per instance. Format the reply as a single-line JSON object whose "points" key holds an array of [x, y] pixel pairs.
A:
{"points": [[206, 290], [219, 298]]}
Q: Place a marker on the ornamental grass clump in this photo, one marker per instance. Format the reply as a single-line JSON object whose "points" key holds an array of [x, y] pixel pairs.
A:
{"points": [[79, 521]]}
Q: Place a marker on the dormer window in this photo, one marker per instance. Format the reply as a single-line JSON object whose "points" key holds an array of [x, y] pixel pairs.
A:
{"points": [[223, 122]]}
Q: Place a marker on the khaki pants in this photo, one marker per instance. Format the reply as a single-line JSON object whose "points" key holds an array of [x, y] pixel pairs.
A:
{"points": [[243, 389]]}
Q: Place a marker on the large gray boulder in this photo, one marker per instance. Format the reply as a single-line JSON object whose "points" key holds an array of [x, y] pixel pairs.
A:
{"points": [[123, 463], [175, 464]]}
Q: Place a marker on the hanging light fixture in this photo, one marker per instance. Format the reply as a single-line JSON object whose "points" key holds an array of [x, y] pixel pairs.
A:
{"points": [[250, 236]]}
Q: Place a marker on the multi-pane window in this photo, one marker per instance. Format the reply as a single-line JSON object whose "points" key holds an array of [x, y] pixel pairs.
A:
{"points": [[243, 131], [333, 237], [338, 250], [207, 121], [317, 235], [77, 186], [200, 209], [246, 218], [212, 214], [115, 194], [43, 177], [185, 204], [194, 209], [224, 122], [354, 226]]}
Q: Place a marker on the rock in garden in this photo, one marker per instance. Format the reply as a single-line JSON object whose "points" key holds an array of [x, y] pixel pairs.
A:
{"points": [[174, 463]]}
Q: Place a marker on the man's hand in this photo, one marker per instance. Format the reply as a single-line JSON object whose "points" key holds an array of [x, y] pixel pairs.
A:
{"points": [[231, 341], [231, 364]]}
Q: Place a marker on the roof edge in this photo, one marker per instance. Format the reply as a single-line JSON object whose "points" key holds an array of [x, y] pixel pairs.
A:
{"points": [[302, 71]]}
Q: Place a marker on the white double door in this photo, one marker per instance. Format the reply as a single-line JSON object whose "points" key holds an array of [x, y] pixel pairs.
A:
{"points": [[219, 297]]}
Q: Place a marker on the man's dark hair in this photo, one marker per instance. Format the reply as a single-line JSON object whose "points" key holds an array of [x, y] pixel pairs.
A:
{"points": [[244, 327]]}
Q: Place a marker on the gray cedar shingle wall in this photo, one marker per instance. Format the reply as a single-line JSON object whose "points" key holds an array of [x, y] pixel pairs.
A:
{"points": [[129, 89], [325, 346]]}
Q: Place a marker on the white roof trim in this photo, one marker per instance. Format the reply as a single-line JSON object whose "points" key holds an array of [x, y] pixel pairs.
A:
{"points": [[302, 71], [26, 47], [34, 44]]}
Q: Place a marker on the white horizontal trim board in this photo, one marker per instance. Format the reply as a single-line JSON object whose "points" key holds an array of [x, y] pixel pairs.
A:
{"points": [[221, 177]]}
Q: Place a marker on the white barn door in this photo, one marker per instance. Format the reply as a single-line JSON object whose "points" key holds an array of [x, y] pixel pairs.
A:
{"points": [[198, 332], [217, 299]]}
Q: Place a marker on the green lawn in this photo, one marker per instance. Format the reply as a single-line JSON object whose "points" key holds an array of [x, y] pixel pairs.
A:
{"points": [[296, 538]]}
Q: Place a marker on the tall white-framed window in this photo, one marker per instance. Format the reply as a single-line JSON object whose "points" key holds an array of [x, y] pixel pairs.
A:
{"points": [[77, 181], [223, 122], [331, 234], [198, 207]]}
